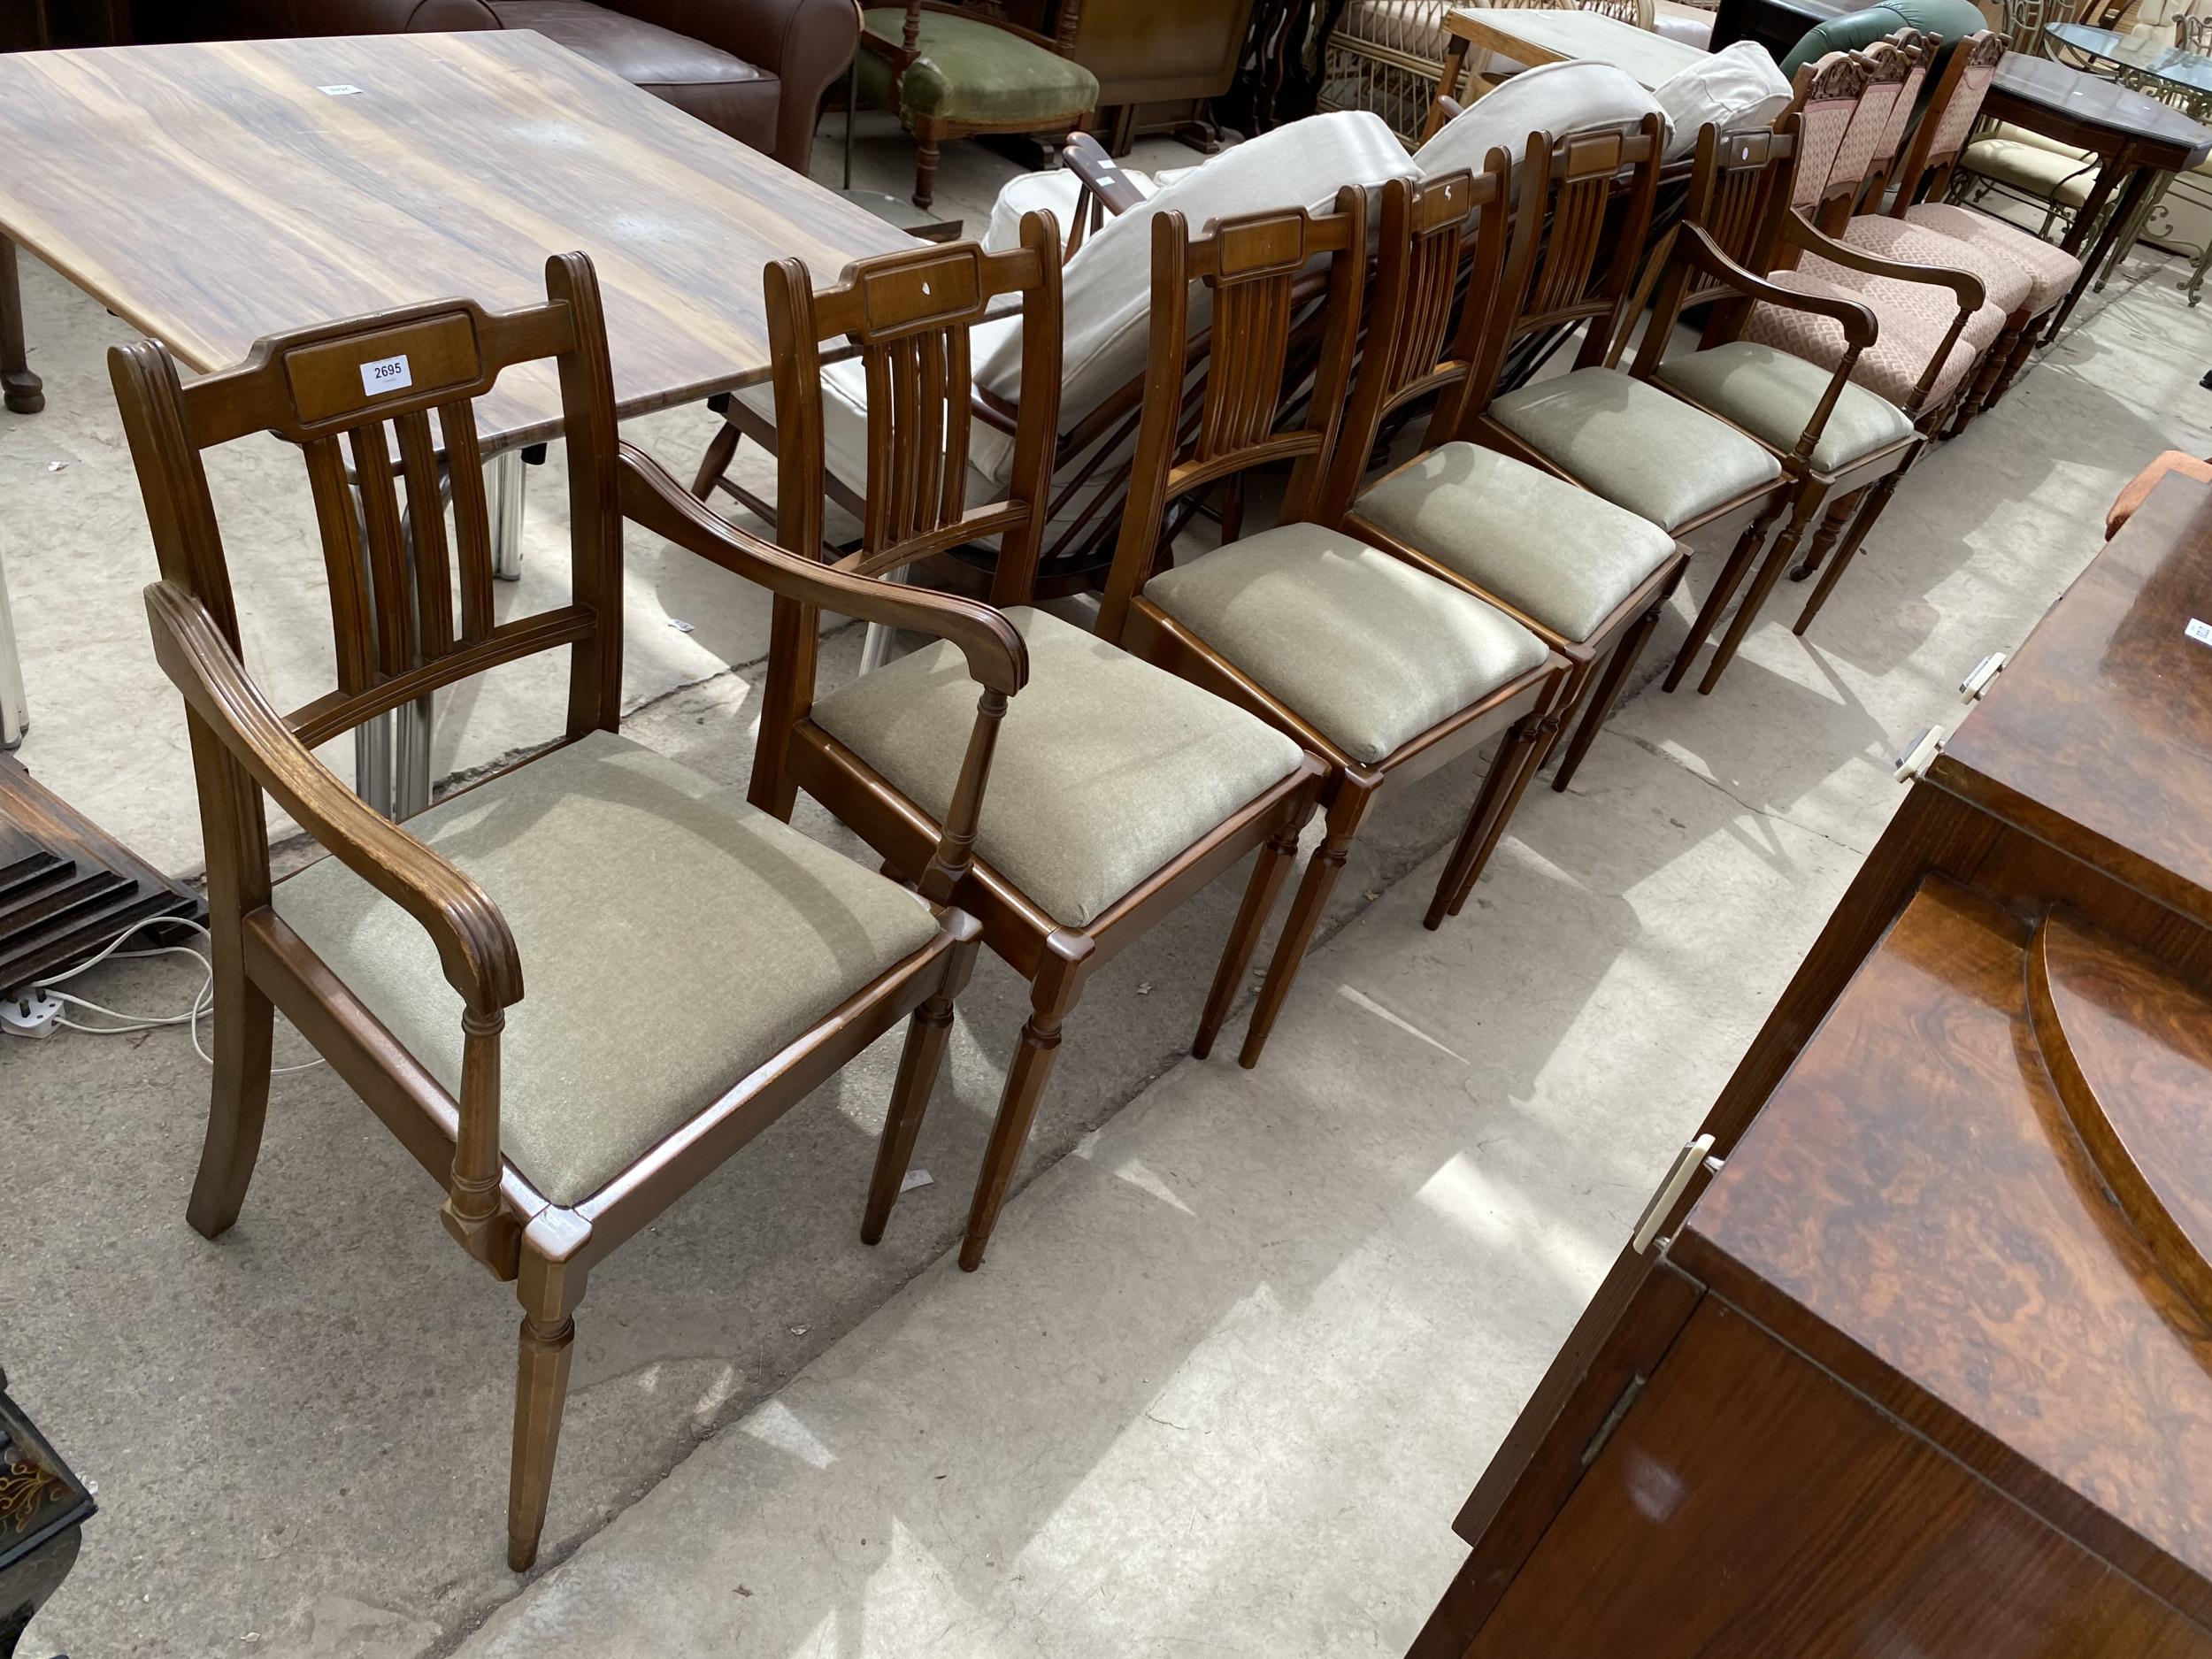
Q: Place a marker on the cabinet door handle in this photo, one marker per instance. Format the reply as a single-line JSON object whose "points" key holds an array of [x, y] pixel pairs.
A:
{"points": [[1670, 1194]]}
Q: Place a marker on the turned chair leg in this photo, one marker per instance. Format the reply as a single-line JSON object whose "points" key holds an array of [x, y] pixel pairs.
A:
{"points": [[2022, 350], [1236, 958], [1602, 697], [1859, 526], [1771, 569], [238, 1097], [1346, 814], [925, 153], [1731, 574], [919, 1063], [715, 465], [1026, 1081], [24, 394], [550, 1292], [1526, 743]]}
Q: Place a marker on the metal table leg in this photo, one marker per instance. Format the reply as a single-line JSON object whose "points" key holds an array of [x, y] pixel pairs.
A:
{"points": [[505, 482], [15, 713]]}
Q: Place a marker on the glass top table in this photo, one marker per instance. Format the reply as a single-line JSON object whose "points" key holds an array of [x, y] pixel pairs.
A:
{"points": [[2138, 55]]}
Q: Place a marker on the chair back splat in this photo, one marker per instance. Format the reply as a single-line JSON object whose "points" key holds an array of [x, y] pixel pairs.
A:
{"points": [[1427, 311], [388, 400], [1249, 266], [1584, 204], [1740, 186], [1924, 175], [911, 314]]}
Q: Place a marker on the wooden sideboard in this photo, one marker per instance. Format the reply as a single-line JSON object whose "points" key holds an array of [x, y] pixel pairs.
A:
{"points": [[1916, 1358]]}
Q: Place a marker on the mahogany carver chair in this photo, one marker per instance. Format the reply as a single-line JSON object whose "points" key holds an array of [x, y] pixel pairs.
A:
{"points": [[558, 1132], [1386, 672], [1611, 431], [1835, 438], [1934, 322], [1842, 104], [1119, 791], [1587, 578]]}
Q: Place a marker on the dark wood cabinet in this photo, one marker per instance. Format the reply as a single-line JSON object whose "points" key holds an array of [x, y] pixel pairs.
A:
{"points": [[1917, 1362]]}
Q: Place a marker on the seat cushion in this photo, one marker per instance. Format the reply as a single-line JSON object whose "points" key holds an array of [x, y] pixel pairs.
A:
{"points": [[2005, 282], [1634, 445], [971, 71], [1368, 650], [1738, 85], [1561, 98], [1771, 394], [1106, 767], [1912, 317], [672, 939], [2051, 270], [2048, 175], [724, 91], [1562, 555]]}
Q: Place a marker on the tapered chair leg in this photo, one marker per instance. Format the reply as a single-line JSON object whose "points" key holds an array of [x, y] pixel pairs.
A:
{"points": [[1322, 869], [715, 462], [238, 1097], [1026, 1081], [1515, 762], [1600, 703], [1236, 958], [548, 1332], [1845, 553], [919, 1062], [1754, 600], [1732, 574]]}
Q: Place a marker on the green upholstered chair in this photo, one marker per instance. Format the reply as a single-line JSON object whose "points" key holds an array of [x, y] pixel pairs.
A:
{"points": [[1952, 20], [953, 70]]}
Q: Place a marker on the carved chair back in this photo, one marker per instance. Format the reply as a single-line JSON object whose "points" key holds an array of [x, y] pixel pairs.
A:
{"points": [[1582, 210], [1918, 49], [910, 316], [1823, 98], [1250, 266], [1859, 155], [385, 398], [1924, 175], [1426, 312], [1740, 186]]}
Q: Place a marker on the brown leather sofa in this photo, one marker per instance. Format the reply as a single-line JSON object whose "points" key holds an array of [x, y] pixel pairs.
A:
{"points": [[756, 69]]}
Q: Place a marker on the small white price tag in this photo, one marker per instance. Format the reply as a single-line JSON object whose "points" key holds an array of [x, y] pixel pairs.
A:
{"points": [[2201, 632], [387, 374], [338, 92]]}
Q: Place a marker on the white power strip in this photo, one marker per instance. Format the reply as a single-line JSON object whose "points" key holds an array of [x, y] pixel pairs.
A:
{"points": [[30, 1013]]}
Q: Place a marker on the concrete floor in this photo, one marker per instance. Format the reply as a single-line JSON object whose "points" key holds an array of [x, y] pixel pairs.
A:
{"points": [[1231, 1366]]}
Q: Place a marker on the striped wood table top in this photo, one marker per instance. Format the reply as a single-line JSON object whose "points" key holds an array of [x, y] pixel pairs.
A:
{"points": [[212, 194]]}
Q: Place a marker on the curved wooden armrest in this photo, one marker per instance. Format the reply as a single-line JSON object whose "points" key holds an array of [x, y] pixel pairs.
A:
{"points": [[1102, 176], [1693, 246], [996, 656], [474, 945], [1802, 233]]}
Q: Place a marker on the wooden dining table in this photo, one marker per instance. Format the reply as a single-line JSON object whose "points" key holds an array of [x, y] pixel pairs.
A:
{"points": [[212, 194]]}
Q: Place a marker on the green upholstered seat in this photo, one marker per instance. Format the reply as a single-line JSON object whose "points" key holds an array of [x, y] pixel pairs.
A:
{"points": [[1552, 551], [971, 71], [1950, 20], [1634, 445], [672, 939], [1106, 767], [1370, 651], [1771, 394]]}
